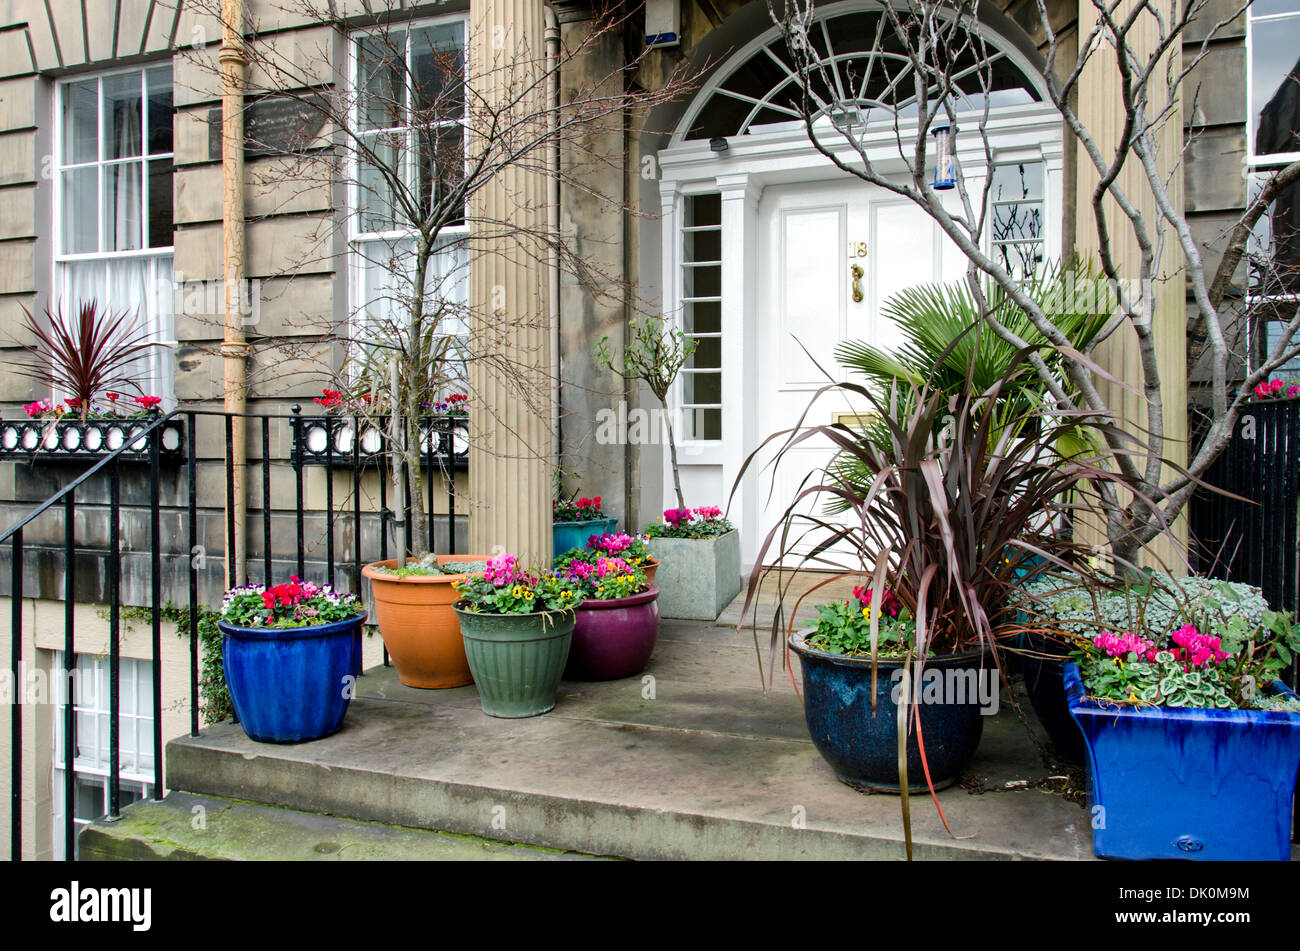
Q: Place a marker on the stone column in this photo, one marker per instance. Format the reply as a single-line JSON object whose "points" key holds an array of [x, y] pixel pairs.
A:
{"points": [[510, 459], [1101, 111]]}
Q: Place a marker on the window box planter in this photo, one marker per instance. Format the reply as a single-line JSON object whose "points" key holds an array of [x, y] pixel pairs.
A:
{"points": [[860, 745], [290, 684], [72, 439], [566, 535], [614, 639], [697, 577], [1181, 783], [517, 659]]}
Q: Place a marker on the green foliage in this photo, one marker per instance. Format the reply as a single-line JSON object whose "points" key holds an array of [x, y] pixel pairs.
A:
{"points": [[844, 627], [525, 595], [428, 567], [1260, 643], [1164, 681], [1153, 608], [654, 354]]}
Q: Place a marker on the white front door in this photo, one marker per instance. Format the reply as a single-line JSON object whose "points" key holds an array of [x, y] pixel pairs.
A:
{"points": [[830, 253]]}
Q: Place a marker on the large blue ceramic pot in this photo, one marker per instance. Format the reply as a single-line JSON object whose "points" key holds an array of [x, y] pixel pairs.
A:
{"points": [[1183, 783], [293, 684], [568, 535], [861, 745]]}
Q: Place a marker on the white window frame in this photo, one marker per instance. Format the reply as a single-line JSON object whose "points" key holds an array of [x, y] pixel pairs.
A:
{"points": [[357, 261], [993, 242], [1279, 158], [161, 367], [685, 265], [135, 776]]}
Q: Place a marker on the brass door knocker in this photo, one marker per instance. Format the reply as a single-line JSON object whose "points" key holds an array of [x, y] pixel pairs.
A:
{"points": [[857, 273]]}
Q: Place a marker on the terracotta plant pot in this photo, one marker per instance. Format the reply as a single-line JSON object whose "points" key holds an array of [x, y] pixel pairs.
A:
{"points": [[614, 639], [418, 625], [650, 567]]}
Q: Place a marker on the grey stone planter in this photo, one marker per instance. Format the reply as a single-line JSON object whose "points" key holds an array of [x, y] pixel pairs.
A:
{"points": [[698, 577]]}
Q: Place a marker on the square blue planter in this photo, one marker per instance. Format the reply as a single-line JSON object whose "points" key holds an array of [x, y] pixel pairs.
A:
{"points": [[1179, 783]]}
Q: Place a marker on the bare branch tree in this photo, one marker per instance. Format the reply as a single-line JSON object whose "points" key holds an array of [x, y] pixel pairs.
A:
{"points": [[947, 68], [405, 144]]}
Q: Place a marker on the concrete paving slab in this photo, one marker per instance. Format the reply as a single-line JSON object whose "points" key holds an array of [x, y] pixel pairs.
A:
{"points": [[706, 766]]}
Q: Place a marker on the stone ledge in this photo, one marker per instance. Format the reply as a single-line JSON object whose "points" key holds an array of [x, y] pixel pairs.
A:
{"points": [[240, 831]]}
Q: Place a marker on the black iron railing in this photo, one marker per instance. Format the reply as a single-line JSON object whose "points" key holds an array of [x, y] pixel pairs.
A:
{"points": [[264, 432], [1254, 538]]}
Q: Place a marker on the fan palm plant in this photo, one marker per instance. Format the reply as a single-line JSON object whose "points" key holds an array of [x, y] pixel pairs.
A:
{"points": [[948, 347]]}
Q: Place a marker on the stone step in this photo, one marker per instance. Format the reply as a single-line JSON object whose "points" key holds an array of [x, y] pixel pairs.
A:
{"points": [[183, 826], [696, 763]]}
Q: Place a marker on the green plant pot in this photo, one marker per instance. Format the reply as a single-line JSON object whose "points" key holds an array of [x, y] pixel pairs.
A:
{"points": [[517, 659]]}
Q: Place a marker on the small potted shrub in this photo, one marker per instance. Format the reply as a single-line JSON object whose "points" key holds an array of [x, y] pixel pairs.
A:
{"points": [[413, 608], [617, 622], [575, 520], [289, 654], [699, 562], [1192, 744], [517, 627]]}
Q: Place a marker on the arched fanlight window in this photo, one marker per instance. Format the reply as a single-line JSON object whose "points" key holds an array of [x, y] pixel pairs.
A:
{"points": [[864, 63]]}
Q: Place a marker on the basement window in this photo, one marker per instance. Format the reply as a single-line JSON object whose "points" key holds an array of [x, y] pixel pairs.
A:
{"points": [[90, 696]]}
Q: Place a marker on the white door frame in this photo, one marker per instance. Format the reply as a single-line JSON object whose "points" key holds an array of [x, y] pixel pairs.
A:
{"points": [[1024, 133]]}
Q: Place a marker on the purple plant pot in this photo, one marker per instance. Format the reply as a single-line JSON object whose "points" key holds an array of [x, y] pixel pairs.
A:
{"points": [[614, 639]]}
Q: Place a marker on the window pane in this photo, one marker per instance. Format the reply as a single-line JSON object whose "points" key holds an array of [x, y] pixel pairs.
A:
{"points": [[122, 201], [703, 245], [381, 78], [81, 122], [1020, 260], [160, 203], [80, 215], [375, 198], [441, 161], [703, 281], [160, 110], [122, 116], [1275, 86], [1275, 244], [703, 317], [437, 70], [1017, 182], [1262, 8], [703, 210]]}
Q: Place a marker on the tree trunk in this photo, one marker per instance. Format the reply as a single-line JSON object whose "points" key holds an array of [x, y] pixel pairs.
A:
{"points": [[672, 455]]}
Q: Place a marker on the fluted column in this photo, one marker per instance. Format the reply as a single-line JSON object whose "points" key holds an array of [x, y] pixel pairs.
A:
{"points": [[1101, 111], [510, 460]]}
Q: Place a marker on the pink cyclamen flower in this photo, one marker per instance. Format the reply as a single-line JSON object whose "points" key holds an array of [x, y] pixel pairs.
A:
{"points": [[1121, 645], [501, 570]]}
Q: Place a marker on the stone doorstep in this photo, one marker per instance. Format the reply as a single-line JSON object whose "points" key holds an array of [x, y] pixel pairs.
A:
{"points": [[712, 768]]}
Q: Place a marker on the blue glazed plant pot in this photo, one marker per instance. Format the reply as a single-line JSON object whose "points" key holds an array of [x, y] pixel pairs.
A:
{"points": [[290, 685], [568, 535], [1180, 783], [861, 745]]}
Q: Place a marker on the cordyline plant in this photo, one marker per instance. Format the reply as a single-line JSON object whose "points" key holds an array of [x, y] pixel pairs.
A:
{"points": [[959, 507], [944, 75], [94, 352]]}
